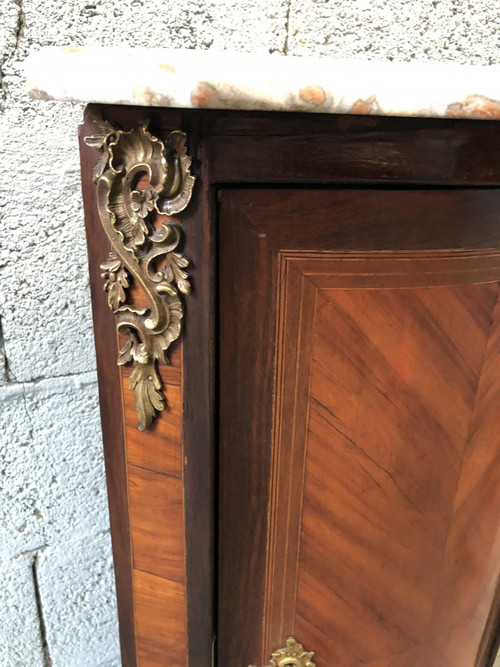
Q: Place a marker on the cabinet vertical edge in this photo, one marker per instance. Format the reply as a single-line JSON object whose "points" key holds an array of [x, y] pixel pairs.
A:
{"points": [[489, 648], [198, 387], [198, 223], [110, 399]]}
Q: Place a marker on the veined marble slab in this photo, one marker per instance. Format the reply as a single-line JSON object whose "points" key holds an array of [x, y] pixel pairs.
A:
{"points": [[225, 80]]}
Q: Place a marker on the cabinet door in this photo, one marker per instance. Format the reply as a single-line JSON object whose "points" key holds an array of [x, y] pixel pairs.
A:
{"points": [[359, 493]]}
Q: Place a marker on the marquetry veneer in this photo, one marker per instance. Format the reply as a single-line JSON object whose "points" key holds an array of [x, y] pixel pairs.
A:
{"points": [[328, 463]]}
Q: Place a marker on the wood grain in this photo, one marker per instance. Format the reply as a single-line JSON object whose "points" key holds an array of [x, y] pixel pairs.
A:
{"points": [[160, 621], [357, 219], [368, 456], [158, 448], [489, 648], [245, 413], [391, 402], [180, 443], [297, 306], [157, 523], [470, 568], [304, 149], [110, 400], [199, 413], [252, 148]]}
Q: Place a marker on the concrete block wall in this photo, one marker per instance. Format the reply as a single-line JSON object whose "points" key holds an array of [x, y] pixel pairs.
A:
{"points": [[57, 600]]}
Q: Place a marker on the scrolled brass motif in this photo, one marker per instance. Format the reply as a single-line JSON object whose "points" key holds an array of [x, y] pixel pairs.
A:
{"points": [[138, 178], [293, 655]]}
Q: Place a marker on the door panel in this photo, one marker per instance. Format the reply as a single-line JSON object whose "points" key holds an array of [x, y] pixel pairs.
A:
{"points": [[359, 428]]}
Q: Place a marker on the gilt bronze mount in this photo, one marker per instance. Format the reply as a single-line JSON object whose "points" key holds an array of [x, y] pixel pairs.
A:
{"points": [[292, 655], [139, 179]]}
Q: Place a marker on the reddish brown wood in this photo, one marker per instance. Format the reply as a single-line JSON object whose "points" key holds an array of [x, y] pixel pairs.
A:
{"points": [[371, 219], [391, 404], [296, 312], [235, 148], [156, 511], [246, 277], [159, 448], [490, 643], [147, 500], [109, 400], [199, 415], [468, 599], [377, 445], [198, 380], [304, 148], [161, 621]]}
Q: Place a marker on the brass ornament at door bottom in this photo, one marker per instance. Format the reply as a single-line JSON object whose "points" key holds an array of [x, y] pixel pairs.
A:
{"points": [[292, 655]]}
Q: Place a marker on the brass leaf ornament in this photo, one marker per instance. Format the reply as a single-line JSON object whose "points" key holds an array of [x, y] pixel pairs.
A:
{"points": [[138, 178], [293, 655]]}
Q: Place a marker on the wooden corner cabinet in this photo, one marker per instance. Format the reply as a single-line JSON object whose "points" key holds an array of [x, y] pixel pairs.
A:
{"points": [[305, 312]]}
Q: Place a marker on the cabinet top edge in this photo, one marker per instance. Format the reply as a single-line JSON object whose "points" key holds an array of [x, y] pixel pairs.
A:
{"points": [[190, 79]]}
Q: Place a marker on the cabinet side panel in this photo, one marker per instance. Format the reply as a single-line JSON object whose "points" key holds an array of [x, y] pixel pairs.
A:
{"points": [[145, 469], [109, 398], [161, 621], [180, 443], [156, 505], [159, 447]]}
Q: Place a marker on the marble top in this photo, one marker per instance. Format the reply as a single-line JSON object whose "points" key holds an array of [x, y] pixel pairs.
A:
{"points": [[225, 80]]}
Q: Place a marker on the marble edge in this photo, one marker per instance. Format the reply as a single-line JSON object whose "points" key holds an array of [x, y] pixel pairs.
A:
{"points": [[224, 80]]}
